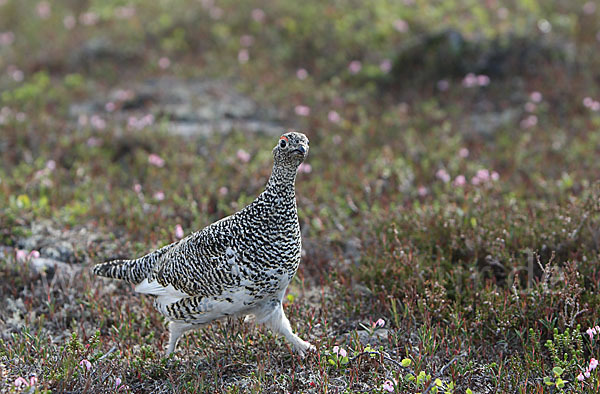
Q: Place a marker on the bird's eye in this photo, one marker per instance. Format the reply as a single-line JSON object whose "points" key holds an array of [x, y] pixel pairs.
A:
{"points": [[282, 143]]}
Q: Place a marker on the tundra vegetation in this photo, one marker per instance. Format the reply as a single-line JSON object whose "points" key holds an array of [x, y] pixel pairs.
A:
{"points": [[450, 204]]}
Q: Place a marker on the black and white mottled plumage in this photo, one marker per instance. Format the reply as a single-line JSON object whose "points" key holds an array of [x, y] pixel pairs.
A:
{"points": [[240, 265]]}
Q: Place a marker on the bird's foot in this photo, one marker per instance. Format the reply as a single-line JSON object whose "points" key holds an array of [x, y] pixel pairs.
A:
{"points": [[303, 348]]}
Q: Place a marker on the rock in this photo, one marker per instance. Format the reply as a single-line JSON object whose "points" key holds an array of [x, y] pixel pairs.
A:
{"points": [[441, 54], [379, 336], [352, 250], [189, 107], [486, 124], [61, 245], [51, 267]]}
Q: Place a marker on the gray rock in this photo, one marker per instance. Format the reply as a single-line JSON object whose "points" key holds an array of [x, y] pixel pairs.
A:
{"points": [[379, 336], [62, 245], [52, 267], [487, 123], [188, 107]]}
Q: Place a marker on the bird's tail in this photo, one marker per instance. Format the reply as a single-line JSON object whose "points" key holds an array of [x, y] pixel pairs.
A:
{"points": [[132, 271], [128, 270]]}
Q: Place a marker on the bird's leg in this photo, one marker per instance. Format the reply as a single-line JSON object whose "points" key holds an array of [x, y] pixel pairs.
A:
{"points": [[176, 329], [279, 323]]}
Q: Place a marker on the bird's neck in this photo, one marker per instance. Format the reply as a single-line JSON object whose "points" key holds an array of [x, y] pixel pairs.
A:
{"points": [[281, 183]]}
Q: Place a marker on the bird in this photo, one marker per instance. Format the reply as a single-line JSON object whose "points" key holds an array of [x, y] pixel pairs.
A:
{"points": [[239, 266]]}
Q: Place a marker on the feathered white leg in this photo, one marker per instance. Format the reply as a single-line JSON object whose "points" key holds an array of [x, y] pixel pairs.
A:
{"points": [[279, 323], [176, 330]]}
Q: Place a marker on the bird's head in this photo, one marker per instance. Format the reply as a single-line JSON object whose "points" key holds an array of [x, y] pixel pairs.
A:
{"points": [[291, 149]]}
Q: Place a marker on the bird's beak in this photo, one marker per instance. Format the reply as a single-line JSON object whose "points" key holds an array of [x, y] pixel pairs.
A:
{"points": [[301, 149]]}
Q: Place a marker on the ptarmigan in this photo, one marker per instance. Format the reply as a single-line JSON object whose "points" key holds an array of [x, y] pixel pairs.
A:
{"points": [[240, 265]]}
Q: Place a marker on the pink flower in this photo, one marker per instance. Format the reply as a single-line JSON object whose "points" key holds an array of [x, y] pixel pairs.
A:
{"points": [[460, 181], [587, 102], [97, 122], [85, 364], [164, 62], [258, 15], [7, 38], [223, 191], [159, 195], [16, 74], [379, 323], [495, 176], [137, 188], [93, 142], [178, 231], [483, 80], [123, 95], [302, 110], [354, 67], [385, 65], [21, 255], [117, 383], [43, 10], [388, 386], [246, 40], [301, 74], [156, 160], [443, 85], [443, 175], [340, 351], [69, 22], [243, 156], [530, 107], [400, 25], [483, 175], [110, 106], [536, 97], [334, 117], [138, 124], [51, 165], [243, 56], [529, 122], [469, 80], [593, 364], [33, 380], [463, 152], [589, 8], [34, 254], [89, 18], [587, 373], [422, 191], [21, 382], [580, 377], [305, 168]]}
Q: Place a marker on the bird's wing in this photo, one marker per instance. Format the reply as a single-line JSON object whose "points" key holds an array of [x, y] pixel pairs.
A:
{"points": [[201, 265]]}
